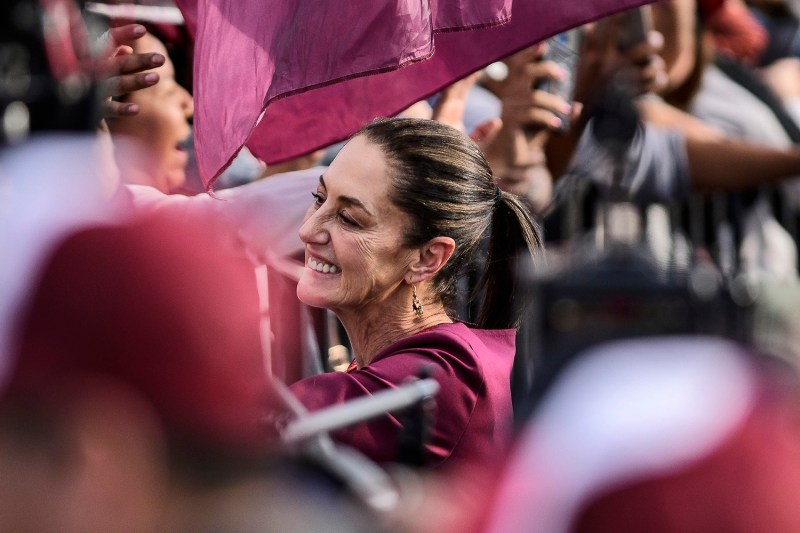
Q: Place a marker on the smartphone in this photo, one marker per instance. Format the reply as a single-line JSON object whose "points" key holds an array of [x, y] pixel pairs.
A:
{"points": [[563, 49], [634, 27]]}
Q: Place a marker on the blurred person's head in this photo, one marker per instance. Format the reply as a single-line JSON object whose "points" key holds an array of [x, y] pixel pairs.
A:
{"points": [[660, 434], [160, 129], [137, 380]]}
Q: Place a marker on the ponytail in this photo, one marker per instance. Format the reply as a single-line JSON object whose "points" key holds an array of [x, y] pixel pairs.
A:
{"points": [[513, 231]]}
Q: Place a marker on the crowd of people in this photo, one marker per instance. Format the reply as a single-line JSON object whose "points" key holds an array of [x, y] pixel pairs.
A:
{"points": [[511, 307]]}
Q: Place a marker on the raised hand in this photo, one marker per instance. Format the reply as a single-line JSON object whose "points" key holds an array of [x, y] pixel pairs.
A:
{"points": [[449, 109], [638, 67], [529, 116], [120, 71]]}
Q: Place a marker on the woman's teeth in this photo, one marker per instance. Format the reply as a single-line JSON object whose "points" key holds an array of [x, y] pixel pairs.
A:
{"points": [[322, 267]]}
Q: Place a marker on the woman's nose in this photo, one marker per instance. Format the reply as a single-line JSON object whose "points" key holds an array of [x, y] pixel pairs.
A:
{"points": [[187, 103], [312, 230]]}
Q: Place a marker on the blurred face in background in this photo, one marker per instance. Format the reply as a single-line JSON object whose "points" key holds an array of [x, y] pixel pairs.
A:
{"points": [[160, 128]]}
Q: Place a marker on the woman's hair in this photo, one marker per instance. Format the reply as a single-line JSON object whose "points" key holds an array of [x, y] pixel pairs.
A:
{"points": [[441, 179]]}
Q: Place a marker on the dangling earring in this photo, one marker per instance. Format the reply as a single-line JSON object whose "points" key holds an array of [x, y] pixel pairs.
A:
{"points": [[416, 305]]}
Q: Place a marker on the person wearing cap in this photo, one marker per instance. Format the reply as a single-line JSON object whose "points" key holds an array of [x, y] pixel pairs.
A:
{"points": [[56, 165], [138, 400], [658, 434]]}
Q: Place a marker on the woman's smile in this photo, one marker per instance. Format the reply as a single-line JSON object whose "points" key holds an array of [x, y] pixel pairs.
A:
{"points": [[320, 266], [353, 235]]}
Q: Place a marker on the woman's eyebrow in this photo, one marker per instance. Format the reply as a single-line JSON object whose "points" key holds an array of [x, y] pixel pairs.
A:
{"points": [[349, 199]]}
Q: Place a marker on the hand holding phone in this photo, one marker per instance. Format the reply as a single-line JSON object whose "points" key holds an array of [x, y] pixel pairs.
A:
{"points": [[563, 49]]}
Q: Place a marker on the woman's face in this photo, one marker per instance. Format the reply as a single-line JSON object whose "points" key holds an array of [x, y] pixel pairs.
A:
{"points": [[161, 125], [353, 234]]}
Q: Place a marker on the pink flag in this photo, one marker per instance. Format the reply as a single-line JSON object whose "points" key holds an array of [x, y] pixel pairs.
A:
{"points": [[286, 77]]}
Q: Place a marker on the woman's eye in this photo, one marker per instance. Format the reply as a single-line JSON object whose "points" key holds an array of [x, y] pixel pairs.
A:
{"points": [[344, 217], [318, 198]]}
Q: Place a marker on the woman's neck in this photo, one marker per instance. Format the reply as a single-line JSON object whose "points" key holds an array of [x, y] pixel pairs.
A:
{"points": [[370, 335]]}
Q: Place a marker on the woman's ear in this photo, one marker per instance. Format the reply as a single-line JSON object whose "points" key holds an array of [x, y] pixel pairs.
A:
{"points": [[433, 255]]}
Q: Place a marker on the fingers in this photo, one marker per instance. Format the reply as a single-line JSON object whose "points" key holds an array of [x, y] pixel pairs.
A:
{"points": [[121, 71], [122, 50], [112, 109], [639, 68], [450, 107], [131, 63], [643, 52], [645, 70], [128, 83], [460, 88], [540, 118], [526, 56], [536, 110], [124, 74], [124, 35], [486, 132]]}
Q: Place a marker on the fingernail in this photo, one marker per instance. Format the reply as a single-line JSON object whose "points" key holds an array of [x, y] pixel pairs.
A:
{"points": [[560, 73], [151, 77], [555, 122], [132, 109], [656, 39], [566, 109], [157, 60], [662, 79], [139, 30]]}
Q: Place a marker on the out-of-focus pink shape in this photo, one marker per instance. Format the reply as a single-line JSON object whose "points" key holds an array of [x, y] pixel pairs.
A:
{"points": [[318, 71]]}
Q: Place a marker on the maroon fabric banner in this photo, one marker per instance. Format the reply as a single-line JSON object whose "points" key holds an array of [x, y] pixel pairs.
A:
{"points": [[318, 71]]}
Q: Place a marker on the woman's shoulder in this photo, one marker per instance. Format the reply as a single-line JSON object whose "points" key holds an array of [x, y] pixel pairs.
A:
{"points": [[457, 339], [469, 333]]}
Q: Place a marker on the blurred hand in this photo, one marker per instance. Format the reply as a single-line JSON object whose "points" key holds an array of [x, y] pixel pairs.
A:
{"points": [[640, 68], [529, 116], [450, 110], [524, 106], [120, 71]]}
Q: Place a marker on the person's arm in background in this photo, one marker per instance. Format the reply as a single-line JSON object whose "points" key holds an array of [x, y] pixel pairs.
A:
{"points": [[729, 164], [676, 20], [601, 64], [715, 161]]}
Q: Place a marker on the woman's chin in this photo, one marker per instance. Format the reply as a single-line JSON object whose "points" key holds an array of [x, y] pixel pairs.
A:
{"points": [[175, 179], [309, 294]]}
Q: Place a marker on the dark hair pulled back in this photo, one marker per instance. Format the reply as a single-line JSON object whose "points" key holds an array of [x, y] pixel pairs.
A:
{"points": [[442, 181]]}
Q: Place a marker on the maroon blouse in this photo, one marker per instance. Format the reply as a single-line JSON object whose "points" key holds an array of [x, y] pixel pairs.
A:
{"points": [[473, 415]]}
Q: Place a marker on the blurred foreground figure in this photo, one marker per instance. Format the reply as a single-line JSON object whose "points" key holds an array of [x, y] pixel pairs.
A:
{"points": [[56, 173], [671, 434], [138, 399]]}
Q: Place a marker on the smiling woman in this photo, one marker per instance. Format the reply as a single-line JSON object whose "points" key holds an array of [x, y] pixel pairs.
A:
{"points": [[157, 155], [395, 218]]}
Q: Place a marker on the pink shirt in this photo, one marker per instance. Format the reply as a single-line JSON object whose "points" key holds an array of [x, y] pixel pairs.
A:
{"points": [[473, 417]]}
